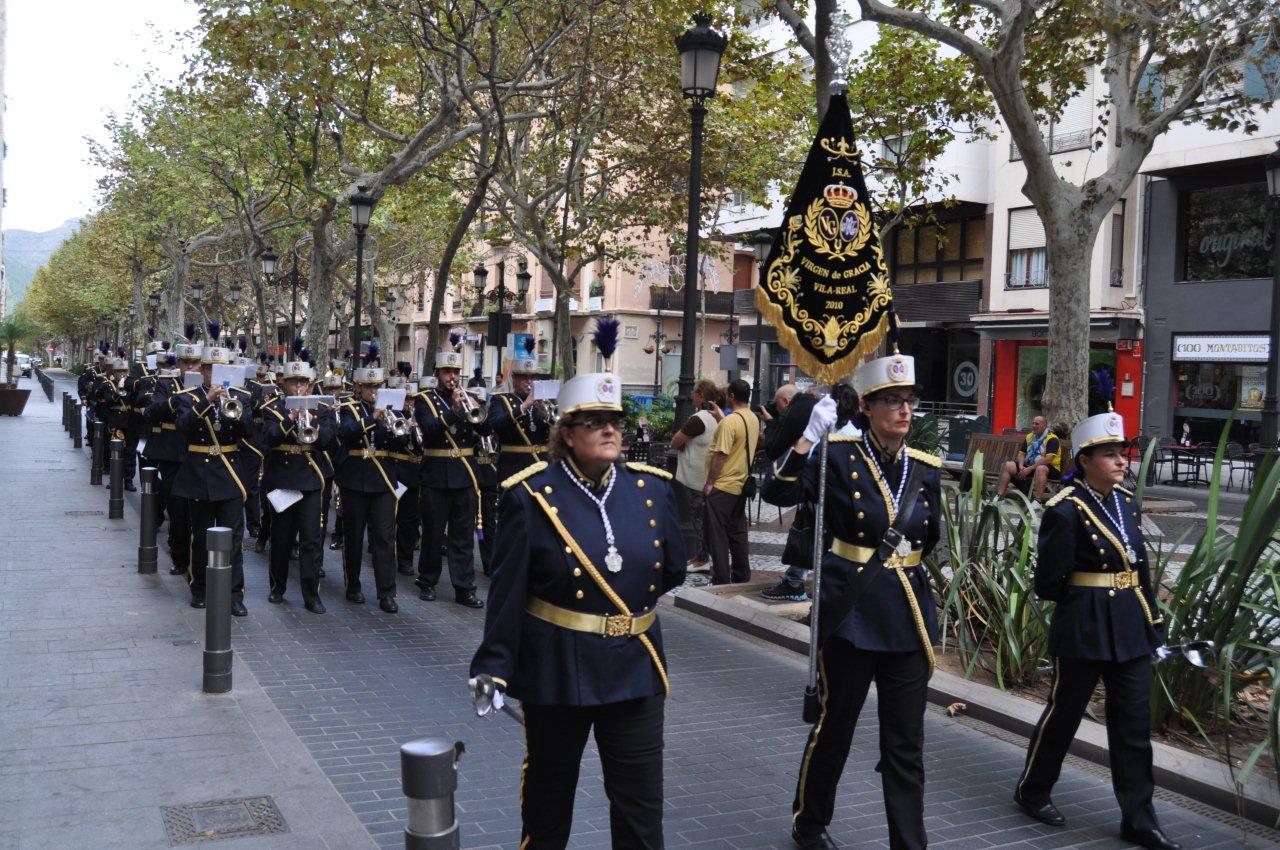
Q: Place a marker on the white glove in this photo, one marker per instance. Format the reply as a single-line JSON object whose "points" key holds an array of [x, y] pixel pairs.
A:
{"points": [[485, 694], [821, 420]]}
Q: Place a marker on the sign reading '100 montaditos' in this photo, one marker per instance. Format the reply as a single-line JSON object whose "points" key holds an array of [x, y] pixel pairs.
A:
{"points": [[1222, 349], [826, 289]]}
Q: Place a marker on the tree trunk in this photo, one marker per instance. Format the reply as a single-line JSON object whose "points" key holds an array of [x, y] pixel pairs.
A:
{"points": [[1068, 259], [174, 305], [325, 258], [564, 332], [823, 69], [139, 276], [459, 232]]}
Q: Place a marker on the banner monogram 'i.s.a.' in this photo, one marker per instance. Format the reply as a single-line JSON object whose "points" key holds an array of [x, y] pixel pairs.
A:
{"points": [[826, 289]]}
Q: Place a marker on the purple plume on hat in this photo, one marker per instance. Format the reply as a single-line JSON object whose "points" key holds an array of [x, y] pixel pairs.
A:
{"points": [[171, 360], [189, 331], [895, 332], [104, 347], [297, 345], [606, 336], [371, 355], [151, 332], [527, 344], [215, 330], [120, 352], [404, 368], [346, 354], [304, 354], [454, 339], [165, 345]]}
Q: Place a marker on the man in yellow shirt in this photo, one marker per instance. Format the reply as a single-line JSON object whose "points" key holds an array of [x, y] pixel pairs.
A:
{"points": [[728, 470], [1040, 460]]}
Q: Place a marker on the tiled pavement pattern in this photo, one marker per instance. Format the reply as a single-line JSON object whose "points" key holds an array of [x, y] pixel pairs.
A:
{"points": [[355, 683]]}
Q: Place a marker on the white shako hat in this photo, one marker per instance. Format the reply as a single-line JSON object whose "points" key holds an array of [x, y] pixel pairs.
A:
{"points": [[331, 382], [371, 372], [896, 370], [428, 382], [153, 345], [120, 363], [595, 390], [525, 366], [395, 381], [298, 369], [188, 349], [1098, 431], [448, 360], [215, 353]]}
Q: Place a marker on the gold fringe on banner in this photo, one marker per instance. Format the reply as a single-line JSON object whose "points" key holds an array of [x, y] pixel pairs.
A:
{"points": [[823, 373]]}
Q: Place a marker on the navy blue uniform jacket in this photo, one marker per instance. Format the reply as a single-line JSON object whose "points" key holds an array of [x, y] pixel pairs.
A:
{"points": [[855, 512], [1095, 623], [544, 664], [288, 470], [203, 476]]}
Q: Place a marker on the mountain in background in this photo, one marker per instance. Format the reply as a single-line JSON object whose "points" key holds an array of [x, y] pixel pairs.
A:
{"points": [[25, 251]]}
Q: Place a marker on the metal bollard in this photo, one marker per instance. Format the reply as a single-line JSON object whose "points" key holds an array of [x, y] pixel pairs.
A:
{"points": [[147, 528], [115, 502], [77, 416], [217, 612], [429, 776], [98, 448], [66, 412]]}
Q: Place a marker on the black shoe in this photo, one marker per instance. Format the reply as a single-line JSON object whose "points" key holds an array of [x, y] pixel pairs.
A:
{"points": [[335, 545], [260, 546], [427, 594], [355, 596], [254, 531], [467, 598], [237, 608], [177, 571], [315, 606], [1045, 812], [197, 602], [821, 841], [128, 485], [388, 604], [1151, 838], [785, 591], [406, 571], [275, 598]]}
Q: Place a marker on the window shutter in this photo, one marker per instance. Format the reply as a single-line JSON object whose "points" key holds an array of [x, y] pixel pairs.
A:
{"points": [[1025, 229], [1077, 115]]}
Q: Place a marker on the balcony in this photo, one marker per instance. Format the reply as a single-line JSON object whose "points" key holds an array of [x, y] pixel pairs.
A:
{"points": [[716, 302], [1058, 143], [1027, 280], [938, 304]]}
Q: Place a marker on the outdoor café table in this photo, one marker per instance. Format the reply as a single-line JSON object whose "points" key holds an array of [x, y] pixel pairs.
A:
{"points": [[1185, 456]]}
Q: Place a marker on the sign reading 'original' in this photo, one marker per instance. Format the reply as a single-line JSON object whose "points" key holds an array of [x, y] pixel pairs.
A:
{"points": [[1222, 349]]}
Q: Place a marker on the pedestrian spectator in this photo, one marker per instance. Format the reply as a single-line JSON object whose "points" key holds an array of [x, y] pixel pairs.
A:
{"points": [[1186, 439], [692, 442], [1040, 460], [477, 378], [729, 485], [797, 555], [643, 434]]}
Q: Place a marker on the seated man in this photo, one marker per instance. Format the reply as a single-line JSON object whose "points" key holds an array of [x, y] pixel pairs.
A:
{"points": [[1040, 460]]}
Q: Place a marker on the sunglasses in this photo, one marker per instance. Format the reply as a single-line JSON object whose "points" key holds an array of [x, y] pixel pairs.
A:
{"points": [[599, 423], [895, 402]]}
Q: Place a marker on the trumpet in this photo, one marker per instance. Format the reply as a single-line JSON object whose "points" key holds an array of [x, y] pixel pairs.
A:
{"points": [[397, 422], [231, 408], [546, 410], [308, 433], [472, 408]]}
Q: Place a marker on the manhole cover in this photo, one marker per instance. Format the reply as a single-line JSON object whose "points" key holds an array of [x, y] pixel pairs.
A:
{"points": [[217, 820], [83, 513]]}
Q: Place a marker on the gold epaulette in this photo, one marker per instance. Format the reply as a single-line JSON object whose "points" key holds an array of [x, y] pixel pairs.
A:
{"points": [[636, 466], [186, 390], [843, 438], [532, 469], [1060, 495], [1123, 490], [925, 458]]}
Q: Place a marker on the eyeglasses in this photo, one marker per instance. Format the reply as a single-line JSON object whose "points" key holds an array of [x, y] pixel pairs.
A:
{"points": [[895, 402], [598, 423]]}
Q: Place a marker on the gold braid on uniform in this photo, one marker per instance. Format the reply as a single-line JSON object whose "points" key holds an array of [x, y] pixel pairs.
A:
{"points": [[921, 630], [531, 469], [636, 466], [925, 458], [1060, 495], [1124, 556]]}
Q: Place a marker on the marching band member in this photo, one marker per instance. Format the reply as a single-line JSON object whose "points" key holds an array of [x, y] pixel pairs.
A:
{"points": [[521, 426], [113, 404], [588, 546], [210, 477], [333, 384], [368, 486], [263, 388], [451, 423], [408, 465], [877, 621], [167, 449], [1092, 561], [294, 440], [143, 390]]}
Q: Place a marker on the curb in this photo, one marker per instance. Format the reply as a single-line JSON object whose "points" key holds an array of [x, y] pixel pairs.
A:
{"points": [[1196, 777]]}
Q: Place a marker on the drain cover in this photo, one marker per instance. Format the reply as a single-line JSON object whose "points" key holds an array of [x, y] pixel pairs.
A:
{"points": [[217, 820]]}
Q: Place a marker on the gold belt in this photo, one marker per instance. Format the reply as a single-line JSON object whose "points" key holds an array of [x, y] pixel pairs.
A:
{"points": [[367, 454], [399, 456], [163, 426], [1117, 581], [292, 449], [864, 554], [213, 450], [615, 625], [448, 452], [523, 450]]}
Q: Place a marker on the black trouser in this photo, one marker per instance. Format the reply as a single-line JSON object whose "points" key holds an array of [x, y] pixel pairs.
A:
{"points": [[629, 738], [1128, 685], [489, 519], [301, 520], [408, 528], [253, 506], [265, 512], [455, 509], [377, 511], [726, 537], [179, 511], [689, 503], [206, 515], [902, 682], [326, 499]]}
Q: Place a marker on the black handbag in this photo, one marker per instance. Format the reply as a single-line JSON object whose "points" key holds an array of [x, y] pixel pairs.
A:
{"points": [[748, 486]]}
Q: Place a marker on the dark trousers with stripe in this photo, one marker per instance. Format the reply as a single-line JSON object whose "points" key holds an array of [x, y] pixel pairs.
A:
{"points": [[488, 516], [1128, 686], [178, 509], [408, 528], [902, 682], [301, 521], [206, 515], [629, 737], [377, 513], [451, 511]]}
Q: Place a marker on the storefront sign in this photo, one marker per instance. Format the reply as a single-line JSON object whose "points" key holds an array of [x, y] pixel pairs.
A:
{"points": [[1222, 349], [965, 379]]}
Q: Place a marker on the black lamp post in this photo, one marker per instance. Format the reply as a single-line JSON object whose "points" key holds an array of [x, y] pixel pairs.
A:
{"points": [[760, 244], [234, 289], [659, 339], [1270, 412], [480, 275], [269, 261], [361, 212], [133, 329], [153, 301], [700, 50]]}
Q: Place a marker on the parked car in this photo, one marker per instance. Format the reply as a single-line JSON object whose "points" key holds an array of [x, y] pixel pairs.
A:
{"points": [[24, 365]]}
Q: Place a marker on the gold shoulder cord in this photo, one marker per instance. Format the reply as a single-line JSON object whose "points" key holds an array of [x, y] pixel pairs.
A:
{"points": [[506, 399], [1124, 557], [914, 604], [364, 435], [599, 580], [475, 483], [213, 435]]}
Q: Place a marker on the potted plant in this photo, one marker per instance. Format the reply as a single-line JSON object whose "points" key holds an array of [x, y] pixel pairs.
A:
{"points": [[14, 330]]}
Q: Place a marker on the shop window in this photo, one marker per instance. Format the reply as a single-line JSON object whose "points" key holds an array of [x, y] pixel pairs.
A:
{"points": [[1211, 391], [949, 251], [1225, 233]]}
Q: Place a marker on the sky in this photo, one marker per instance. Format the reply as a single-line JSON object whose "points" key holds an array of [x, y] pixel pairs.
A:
{"points": [[68, 64]]}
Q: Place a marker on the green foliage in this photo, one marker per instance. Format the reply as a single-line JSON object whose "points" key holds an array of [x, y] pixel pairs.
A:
{"points": [[925, 434]]}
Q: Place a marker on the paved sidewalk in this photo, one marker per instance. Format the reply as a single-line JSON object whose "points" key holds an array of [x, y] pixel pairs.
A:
{"points": [[102, 720], [354, 684]]}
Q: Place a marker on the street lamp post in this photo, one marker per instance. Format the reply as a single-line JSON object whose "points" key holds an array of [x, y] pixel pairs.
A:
{"points": [[700, 50], [659, 340], [269, 261], [1270, 409], [234, 289], [760, 244], [523, 278], [361, 212], [480, 275]]}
